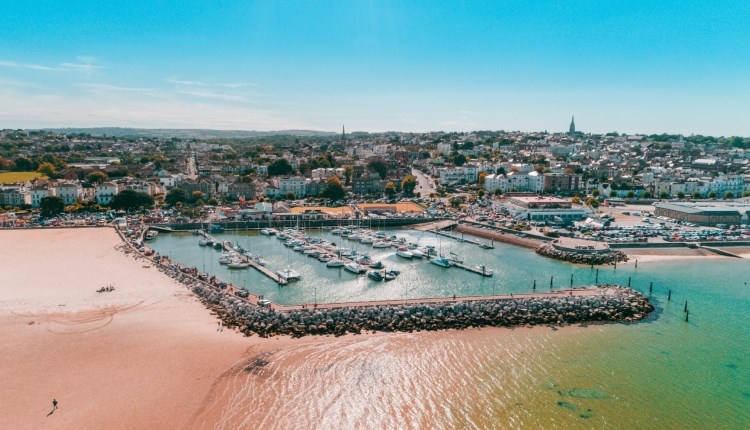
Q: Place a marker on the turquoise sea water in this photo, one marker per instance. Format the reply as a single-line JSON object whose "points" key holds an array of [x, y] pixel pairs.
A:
{"points": [[661, 373]]}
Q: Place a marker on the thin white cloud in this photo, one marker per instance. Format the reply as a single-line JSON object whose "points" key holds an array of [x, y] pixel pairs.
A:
{"points": [[216, 96], [84, 65], [191, 83], [108, 87]]}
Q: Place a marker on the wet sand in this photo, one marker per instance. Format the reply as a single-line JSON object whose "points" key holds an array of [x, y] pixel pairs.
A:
{"points": [[141, 356]]}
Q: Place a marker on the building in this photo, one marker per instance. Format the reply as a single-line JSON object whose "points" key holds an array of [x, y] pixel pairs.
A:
{"points": [[69, 192], [705, 213], [572, 128], [292, 184], [541, 208], [105, 192], [38, 193]]}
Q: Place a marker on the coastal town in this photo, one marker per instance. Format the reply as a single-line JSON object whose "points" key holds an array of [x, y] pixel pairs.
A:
{"points": [[611, 187]]}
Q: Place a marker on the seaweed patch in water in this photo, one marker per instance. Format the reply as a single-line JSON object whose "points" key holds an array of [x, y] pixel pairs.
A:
{"points": [[588, 413], [731, 366], [583, 393], [566, 405]]}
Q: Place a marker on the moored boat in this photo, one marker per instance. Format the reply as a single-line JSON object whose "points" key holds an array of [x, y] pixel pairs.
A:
{"points": [[404, 252]]}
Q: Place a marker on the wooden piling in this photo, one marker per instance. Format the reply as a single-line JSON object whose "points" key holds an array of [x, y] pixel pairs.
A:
{"points": [[628, 281], [669, 297], [686, 309], [651, 287], [687, 315]]}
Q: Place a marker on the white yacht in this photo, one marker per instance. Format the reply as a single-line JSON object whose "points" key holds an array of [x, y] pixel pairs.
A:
{"points": [[289, 274], [355, 268], [404, 252], [441, 261], [381, 244], [335, 262]]}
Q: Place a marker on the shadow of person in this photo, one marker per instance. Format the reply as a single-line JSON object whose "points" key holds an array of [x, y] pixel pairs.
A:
{"points": [[51, 412]]}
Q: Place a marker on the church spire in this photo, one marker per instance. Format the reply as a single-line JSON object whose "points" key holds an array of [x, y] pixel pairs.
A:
{"points": [[572, 129], [343, 135]]}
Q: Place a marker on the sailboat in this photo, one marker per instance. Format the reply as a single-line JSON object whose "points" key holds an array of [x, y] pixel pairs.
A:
{"points": [[440, 260]]}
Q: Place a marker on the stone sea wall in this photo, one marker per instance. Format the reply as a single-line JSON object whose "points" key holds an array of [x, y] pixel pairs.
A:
{"points": [[624, 305], [610, 257]]}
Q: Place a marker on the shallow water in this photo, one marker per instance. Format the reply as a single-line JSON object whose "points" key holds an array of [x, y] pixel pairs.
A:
{"points": [[662, 373]]}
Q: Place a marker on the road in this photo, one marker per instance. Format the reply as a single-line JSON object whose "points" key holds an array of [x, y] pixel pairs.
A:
{"points": [[425, 184], [191, 172]]}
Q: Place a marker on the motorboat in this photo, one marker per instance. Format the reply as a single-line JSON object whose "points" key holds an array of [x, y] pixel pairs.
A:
{"points": [[453, 258], [151, 235], [289, 274], [376, 264], [367, 240], [355, 268], [404, 252], [337, 231], [314, 253], [391, 274], [416, 253], [484, 271], [381, 244], [203, 242], [238, 264], [268, 231], [258, 259], [324, 258], [441, 261], [376, 275], [486, 245], [225, 258], [335, 262]]}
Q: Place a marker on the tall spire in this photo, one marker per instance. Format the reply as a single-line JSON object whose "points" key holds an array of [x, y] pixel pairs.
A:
{"points": [[572, 129], [343, 134]]}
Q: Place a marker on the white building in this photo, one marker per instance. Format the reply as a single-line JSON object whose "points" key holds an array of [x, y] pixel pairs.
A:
{"points": [[69, 192], [292, 184], [105, 192], [37, 194]]}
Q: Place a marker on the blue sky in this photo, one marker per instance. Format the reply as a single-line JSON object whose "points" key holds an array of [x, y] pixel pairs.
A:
{"points": [[627, 66]]}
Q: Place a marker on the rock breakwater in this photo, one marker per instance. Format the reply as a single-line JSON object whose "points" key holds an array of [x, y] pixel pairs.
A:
{"points": [[613, 304], [611, 256]]}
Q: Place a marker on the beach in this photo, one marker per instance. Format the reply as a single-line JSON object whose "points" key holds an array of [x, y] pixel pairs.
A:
{"points": [[141, 356]]}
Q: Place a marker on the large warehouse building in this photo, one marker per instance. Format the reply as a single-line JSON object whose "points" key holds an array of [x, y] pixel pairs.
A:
{"points": [[705, 213]]}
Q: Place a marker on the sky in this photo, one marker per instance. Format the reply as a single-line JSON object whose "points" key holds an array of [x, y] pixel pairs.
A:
{"points": [[647, 66]]}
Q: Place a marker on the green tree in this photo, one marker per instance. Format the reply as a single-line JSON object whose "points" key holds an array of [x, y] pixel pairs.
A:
{"points": [[631, 194], [378, 165], [613, 193], [459, 160], [197, 195], [408, 184], [24, 165], [348, 174], [50, 206], [97, 177], [130, 199], [648, 195], [664, 195], [593, 202], [390, 189], [334, 190], [175, 196], [280, 167], [595, 193], [697, 195], [680, 195], [576, 200], [712, 195], [47, 169], [729, 195]]}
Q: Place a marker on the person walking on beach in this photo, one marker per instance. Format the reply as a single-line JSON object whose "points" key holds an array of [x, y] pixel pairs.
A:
{"points": [[54, 404], [220, 326]]}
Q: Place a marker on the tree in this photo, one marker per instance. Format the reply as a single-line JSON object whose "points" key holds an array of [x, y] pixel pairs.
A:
{"points": [[408, 184], [664, 195], [334, 190], [348, 174], [697, 195], [97, 177], [576, 200], [648, 195], [712, 195], [459, 160], [51, 206], [631, 194], [728, 195], [130, 199], [680, 195], [47, 169], [24, 165], [595, 193], [481, 178], [390, 189], [378, 165], [613, 193], [197, 195], [591, 201], [175, 196], [280, 167]]}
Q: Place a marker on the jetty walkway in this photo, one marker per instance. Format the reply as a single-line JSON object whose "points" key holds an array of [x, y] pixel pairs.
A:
{"points": [[227, 246]]}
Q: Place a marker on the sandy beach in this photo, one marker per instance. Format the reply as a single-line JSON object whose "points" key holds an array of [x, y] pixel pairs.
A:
{"points": [[141, 356]]}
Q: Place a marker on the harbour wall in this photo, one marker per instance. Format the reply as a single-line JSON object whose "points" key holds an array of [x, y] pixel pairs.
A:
{"points": [[256, 225]]}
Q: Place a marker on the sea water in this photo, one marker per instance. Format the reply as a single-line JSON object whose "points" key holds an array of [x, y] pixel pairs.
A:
{"points": [[661, 373]]}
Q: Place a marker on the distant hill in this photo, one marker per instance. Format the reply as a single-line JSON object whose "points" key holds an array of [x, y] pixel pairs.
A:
{"points": [[184, 133]]}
